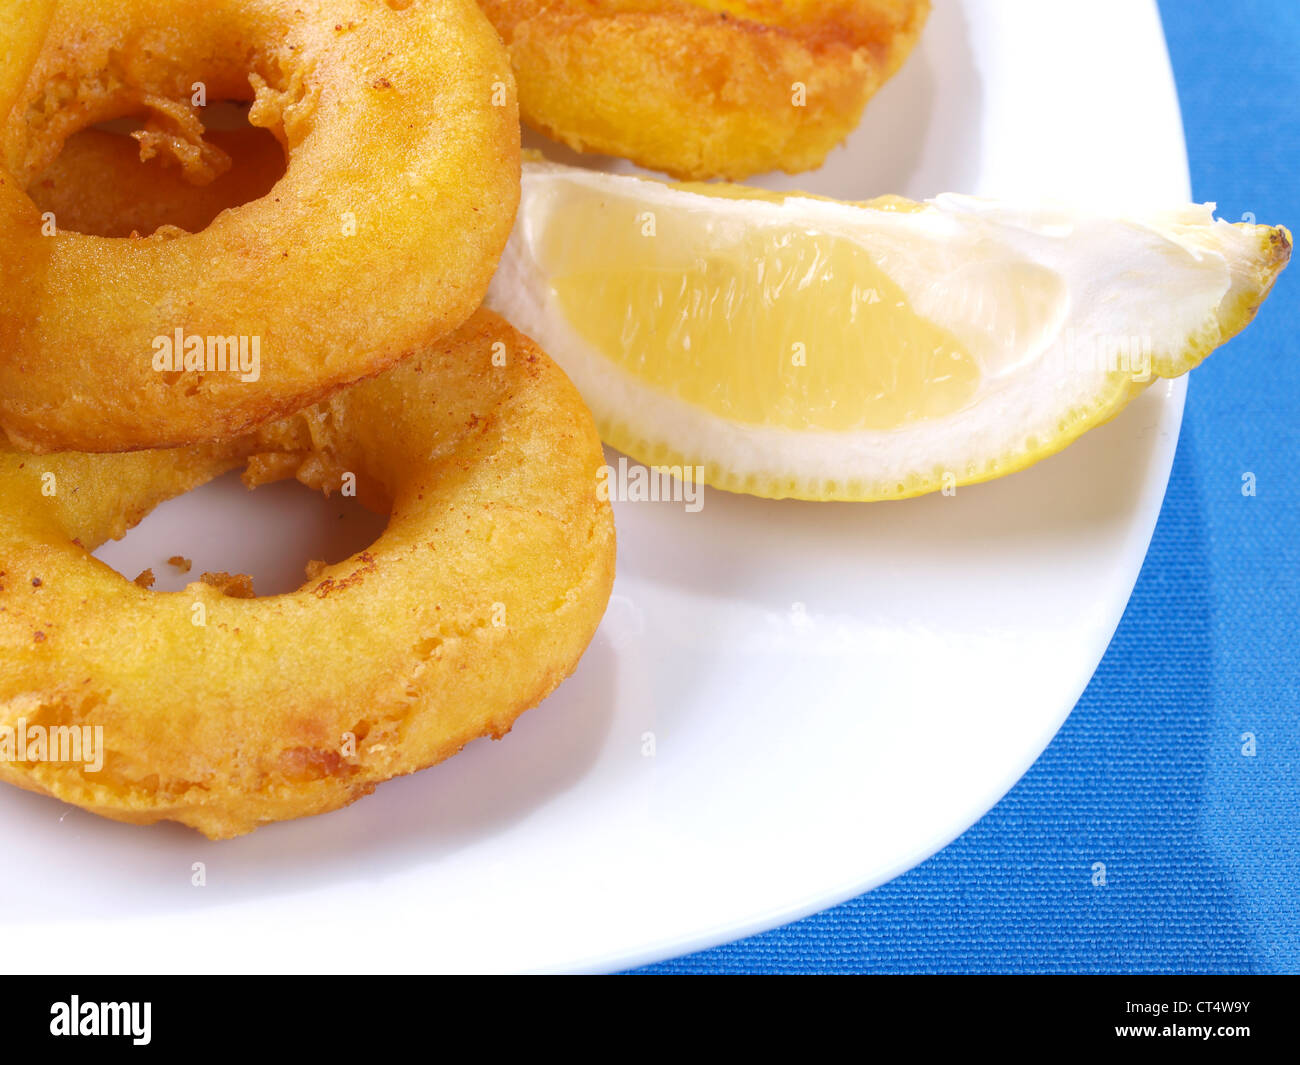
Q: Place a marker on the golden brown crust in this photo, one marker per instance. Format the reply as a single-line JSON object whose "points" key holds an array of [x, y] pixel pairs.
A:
{"points": [[232, 585], [403, 137], [707, 88], [23, 26], [226, 713]]}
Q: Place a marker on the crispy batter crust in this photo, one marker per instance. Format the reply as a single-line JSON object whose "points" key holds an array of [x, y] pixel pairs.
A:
{"points": [[402, 134], [475, 603], [705, 88]]}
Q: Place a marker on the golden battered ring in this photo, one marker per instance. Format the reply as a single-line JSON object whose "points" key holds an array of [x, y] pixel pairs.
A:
{"points": [[227, 713], [402, 133], [704, 88]]}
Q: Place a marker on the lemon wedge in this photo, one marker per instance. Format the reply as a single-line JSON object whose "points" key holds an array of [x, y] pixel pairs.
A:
{"points": [[792, 346]]}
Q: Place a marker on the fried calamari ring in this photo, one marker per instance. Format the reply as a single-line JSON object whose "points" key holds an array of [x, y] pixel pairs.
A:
{"points": [[99, 186], [475, 603], [403, 177], [704, 88]]}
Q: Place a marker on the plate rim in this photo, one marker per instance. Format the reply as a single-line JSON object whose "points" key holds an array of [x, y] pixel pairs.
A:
{"points": [[1152, 500], [398, 957]]}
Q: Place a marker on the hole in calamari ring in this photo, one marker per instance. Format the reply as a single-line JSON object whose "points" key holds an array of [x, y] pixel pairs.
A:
{"points": [[100, 186]]}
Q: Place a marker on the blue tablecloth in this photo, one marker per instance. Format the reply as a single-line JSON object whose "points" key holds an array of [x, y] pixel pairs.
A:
{"points": [[1201, 841]]}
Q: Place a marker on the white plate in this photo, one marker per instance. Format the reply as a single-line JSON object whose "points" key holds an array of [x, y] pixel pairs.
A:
{"points": [[834, 691]]}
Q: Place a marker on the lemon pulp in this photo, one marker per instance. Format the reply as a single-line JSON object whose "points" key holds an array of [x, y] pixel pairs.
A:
{"points": [[763, 325]]}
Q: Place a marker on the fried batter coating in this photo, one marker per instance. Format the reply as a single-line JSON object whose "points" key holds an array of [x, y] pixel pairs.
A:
{"points": [[228, 713], [402, 133], [704, 88]]}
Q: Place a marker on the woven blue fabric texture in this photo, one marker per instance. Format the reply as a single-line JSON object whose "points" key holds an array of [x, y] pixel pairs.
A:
{"points": [[1152, 772]]}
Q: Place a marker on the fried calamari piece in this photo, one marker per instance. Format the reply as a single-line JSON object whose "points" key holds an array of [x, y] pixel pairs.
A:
{"points": [[704, 88], [227, 713], [402, 134]]}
